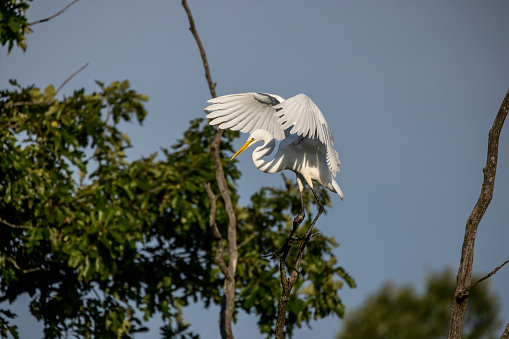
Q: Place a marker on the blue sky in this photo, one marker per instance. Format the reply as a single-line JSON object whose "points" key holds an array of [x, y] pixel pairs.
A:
{"points": [[409, 89]]}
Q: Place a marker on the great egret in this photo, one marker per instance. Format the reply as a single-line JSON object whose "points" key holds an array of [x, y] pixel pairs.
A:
{"points": [[307, 146]]}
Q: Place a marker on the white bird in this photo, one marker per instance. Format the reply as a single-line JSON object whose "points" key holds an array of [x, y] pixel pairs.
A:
{"points": [[307, 146]]}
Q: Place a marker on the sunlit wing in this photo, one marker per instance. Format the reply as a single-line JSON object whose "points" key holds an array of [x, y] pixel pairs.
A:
{"points": [[246, 112], [305, 119]]}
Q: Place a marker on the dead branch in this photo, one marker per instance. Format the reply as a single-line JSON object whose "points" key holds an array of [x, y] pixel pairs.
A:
{"points": [[54, 15], [228, 303], [460, 302], [71, 76], [192, 28], [462, 295], [505, 335]]}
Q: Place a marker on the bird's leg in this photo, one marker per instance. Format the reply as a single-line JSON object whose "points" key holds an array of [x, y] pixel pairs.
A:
{"points": [[296, 223], [320, 211], [288, 241], [299, 217]]}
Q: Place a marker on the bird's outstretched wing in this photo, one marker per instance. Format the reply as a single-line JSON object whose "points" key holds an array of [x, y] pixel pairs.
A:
{"points": [[305, 119], [246, 112]]}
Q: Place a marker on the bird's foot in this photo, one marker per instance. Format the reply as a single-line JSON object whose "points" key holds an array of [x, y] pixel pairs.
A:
{"points": [[298, 219], [296, 237], [287, 244]]}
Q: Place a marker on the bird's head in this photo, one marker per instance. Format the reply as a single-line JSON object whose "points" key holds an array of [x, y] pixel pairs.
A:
{"points": [[257, 135], [248, 143]]}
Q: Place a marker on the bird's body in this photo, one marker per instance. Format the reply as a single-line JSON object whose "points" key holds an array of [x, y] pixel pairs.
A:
{"points": [[306, 148], [301, 155]]}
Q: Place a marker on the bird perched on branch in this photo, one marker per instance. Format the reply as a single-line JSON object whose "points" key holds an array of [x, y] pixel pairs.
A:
{"points": [[306, 148]]}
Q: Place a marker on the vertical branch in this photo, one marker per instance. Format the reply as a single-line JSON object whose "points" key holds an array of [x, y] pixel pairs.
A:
{"points": [[215, 231], [288, 283], [228, 304], [460, 302], [283, 299], [192, 28], [505, 335]]}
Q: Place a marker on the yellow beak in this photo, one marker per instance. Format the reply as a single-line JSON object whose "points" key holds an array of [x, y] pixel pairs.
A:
{"points": [[243, 148]]}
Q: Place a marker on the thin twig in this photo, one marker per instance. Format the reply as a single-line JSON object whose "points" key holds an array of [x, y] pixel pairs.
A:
{"points": [[485, 277], [46, 102], [25, 271], [54, 15], [192, 28], [108, 114], [26, 103], [72, 75], [5, 222], [248, 239]]}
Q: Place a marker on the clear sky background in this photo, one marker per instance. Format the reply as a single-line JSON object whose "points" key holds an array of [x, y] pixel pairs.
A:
{"points": [[409, 89]]}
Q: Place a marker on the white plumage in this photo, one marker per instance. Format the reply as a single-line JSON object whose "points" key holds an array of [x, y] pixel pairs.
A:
{"points": [[307, 146]]}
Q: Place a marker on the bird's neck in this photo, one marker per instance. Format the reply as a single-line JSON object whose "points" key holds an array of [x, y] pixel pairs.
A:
{"points": [[262, 151]]}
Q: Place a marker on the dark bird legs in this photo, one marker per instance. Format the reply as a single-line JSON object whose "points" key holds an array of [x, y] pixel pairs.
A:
{"points": [[296, 223]]}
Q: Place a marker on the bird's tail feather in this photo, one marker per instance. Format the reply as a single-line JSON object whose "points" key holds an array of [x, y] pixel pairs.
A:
{"points": [[337, 189]]}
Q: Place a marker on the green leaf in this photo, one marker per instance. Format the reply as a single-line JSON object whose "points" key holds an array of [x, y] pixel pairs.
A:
{"points": [[49, 92], [14, 24]]}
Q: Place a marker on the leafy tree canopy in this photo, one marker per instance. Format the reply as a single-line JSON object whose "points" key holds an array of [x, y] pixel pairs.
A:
{"points": [[102, 243], [92, 236], [401, 313], [13, 23]]}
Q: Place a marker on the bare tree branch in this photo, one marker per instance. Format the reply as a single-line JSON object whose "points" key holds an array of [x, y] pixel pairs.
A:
{"points": [[462, 295], [460, 302], [228, 303], [71, 76], [505, 335], [215, 230], [54, 15], [248, 239], [192, 28], [46, 102]]}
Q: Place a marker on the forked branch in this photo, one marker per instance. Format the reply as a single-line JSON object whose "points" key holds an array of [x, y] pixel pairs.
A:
{"points": [[460, 301], [464, 293]]}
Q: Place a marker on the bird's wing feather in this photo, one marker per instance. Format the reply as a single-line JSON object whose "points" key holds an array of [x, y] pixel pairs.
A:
{"points": [[246, 112], [305, 119]]}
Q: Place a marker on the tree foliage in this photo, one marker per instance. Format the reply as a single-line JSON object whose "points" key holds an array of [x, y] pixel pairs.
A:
{"points": [[13, 23], [101, 243], [94, 237], [400, 312]]}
